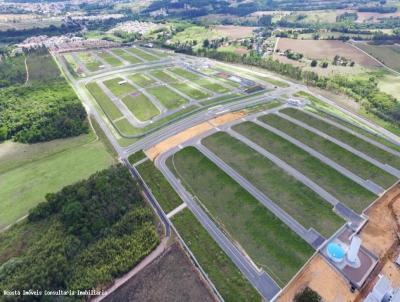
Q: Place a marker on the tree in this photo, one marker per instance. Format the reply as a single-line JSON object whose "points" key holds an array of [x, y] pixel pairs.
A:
{"points": [[325, 64], [307, 295], [265, 20], [3, 133], [314, 63], [206, 43]]}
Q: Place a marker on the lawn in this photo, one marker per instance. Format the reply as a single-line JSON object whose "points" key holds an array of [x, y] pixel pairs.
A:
{"points": [[137, 156], [267, 240], [211, 85], [72, 65], [126, 56], [144, 55], [223, 273], [190, 91], [141, 106], [343, 188], [295, 198], [91, 63], [345, 158], [167, 198], [109, 58], [167, 97], [184, 73], [126, 128], [25, 186], [105, 103], [163, 76], [119, 90], [345, 137], [141, 80]]}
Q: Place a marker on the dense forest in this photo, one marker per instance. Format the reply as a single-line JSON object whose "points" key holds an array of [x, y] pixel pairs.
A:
{"points": [[81, 238], [40, 107]]}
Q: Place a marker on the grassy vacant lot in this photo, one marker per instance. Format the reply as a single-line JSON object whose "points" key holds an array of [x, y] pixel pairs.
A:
{"points": [[190, 91], [119, 89], [144, 55], [109, 58], [347, 159], [126, 56], [141, 79], [167, 97], [105, 103], [137, 156], [163, 76], [345, 137], [387, 54], [126, 128], [141, 106], [220, 269], [305, 206], [344, 189], [211, 85], [159, 186], [185, 73], [268, 241], [90, 62], [163, 280], [27, 176]]}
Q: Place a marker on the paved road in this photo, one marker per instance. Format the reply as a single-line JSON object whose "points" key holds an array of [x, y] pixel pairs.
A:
{"points": [[360, 136], [383, 166], [80, 63], [266, 286], [308, 236], [367, 184]]}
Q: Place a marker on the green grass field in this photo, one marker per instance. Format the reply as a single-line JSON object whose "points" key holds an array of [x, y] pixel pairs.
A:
{"points": [[190, 91], [144, 55], [163, 76], [345, 137], [109, 58], [89, 61], [167, 97], [295, 198], [141, 106], [141, 79], [105, 103], [211, 85], [72, 65], [159, 186], [184, 73], [117, 89], [267, 240], [126, 128], [228, 280], [126, 56], [343, 188], [347, 159], [25, 185]]}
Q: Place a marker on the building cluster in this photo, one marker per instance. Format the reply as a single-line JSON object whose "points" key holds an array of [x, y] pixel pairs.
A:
{"points": [[135, 27], [64, 43]]}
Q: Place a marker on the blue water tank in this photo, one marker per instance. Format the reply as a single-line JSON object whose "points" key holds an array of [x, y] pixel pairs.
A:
{"points": [[335, 252]]}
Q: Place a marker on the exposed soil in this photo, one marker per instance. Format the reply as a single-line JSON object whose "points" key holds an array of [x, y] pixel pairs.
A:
{"points": [[326, 49], [171, 277], [235, 32]]}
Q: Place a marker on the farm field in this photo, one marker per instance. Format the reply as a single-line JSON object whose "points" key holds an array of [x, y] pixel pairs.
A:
{"points": [[143, 54], [167, 97], [387, 54], [117, 89], [345, 137], [347, 159], [228, 280], [126, 56], [241, 216], [27, 176], [91, 63], [163, 280], [141, 79], [109, 108], [141, 106], [190, 91], [109, 58], [305, 206], [326, 49], [344, 189]]}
